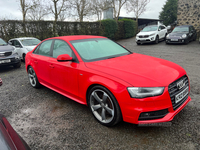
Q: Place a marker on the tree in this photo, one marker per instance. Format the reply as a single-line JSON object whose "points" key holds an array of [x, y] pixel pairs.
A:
{"points": [[83, 8], [25, 5], [169, 12], [138, 7], [98, 6], [117, 6], [59, 6], [38, 11]]}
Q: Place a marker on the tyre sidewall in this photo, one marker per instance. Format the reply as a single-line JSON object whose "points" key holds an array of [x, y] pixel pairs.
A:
{"points": [[117, 115], [37, 85]]}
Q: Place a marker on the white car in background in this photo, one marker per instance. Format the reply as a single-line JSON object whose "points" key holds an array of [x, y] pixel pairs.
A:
{"points": [[24, 45], [152, 33]]}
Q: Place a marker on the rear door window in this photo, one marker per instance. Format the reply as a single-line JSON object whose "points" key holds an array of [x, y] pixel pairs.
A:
{"points": [[45, 48]]}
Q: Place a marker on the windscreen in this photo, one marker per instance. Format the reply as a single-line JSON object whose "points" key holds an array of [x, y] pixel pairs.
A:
{"points": [[2, 42], [30, 42], [181, 29], [150, 28], [98, 49]]}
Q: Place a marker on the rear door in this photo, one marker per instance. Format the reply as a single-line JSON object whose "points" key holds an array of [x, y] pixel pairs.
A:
{"points": [[40, 59]]}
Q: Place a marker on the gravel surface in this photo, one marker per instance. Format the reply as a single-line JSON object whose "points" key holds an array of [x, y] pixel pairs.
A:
{"points": [[50, 121]]}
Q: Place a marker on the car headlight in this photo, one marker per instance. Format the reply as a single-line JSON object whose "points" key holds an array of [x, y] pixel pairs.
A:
{"points": [[152, 34], [142, 92], [167, 36], [184, 36], [14, 52]]}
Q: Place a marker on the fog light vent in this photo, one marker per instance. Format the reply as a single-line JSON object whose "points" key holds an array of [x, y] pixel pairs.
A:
{"points": [[153, 115]]}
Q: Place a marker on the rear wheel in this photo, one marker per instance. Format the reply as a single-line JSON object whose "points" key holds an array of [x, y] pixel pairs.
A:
{"points": [[33, 78], [104, 106], [195, 37], [165, 37], [23, 57]]}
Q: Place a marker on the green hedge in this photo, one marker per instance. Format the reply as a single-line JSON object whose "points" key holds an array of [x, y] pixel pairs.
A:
{"points": [[44, 29], [129, 28], [110, 28]]}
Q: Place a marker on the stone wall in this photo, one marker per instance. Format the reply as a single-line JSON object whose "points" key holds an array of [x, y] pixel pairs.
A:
{"points": [[189, 13]]}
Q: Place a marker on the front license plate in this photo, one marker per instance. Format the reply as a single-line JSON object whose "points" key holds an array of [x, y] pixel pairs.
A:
{"points": [[5, 61], [181, 95], [174, 39]]}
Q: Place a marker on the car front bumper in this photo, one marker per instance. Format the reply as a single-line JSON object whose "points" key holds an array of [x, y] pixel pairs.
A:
{"points": [[149, 39], [176, 40], [156, 109], [10, 60], [160, 105]]}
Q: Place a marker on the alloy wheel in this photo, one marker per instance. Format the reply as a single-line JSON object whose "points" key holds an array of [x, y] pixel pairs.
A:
{"points": [[102, 106], [32, 77]]}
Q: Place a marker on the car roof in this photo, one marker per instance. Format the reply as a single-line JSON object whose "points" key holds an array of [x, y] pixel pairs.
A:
{"points": [[22, 38], [76, 37]]}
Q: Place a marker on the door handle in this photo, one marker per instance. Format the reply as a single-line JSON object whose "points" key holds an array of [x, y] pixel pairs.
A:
{"points": [[51, 66], [36, 62]]}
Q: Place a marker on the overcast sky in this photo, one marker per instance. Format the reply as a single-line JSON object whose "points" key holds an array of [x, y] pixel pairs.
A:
{"points": [[10, 10]]}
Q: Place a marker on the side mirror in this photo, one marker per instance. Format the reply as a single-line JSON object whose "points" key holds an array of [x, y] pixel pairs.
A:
{"points": [[9, 43], [64, 57]]}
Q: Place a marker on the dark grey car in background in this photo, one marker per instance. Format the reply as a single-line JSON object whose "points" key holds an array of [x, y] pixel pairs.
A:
{"points": [[8, 55], [182, 34]]}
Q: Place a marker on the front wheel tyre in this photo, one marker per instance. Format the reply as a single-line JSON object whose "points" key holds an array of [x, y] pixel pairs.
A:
{"points": [[104, 106], [156, 40], [33, 78], [18, 65], [186, 41]]}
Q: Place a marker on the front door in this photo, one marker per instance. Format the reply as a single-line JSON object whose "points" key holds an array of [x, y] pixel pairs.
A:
{"points": [[63, 75]]}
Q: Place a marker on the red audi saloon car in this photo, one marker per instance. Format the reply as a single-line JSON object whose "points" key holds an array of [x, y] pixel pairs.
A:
{"points": [[115, 83]]}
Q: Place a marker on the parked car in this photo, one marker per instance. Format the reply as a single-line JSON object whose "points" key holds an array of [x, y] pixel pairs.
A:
{"points": [[115, 83], [10, 139], [8, 55], [150, 34], [182, 34], [24, 45]]}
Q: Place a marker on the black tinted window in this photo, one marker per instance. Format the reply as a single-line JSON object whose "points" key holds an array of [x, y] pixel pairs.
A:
{"points": [[162, 27], [45, 48], [61, 47], [16, 43]]}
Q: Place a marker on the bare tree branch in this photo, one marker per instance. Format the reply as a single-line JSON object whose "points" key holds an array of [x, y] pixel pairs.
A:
{"points": [[38, 11], [82, 8], [117, 6]]}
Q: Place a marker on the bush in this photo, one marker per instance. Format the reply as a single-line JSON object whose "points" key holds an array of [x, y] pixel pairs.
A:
{"points": [[110, 28], [44, 29], [129, 28]]}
